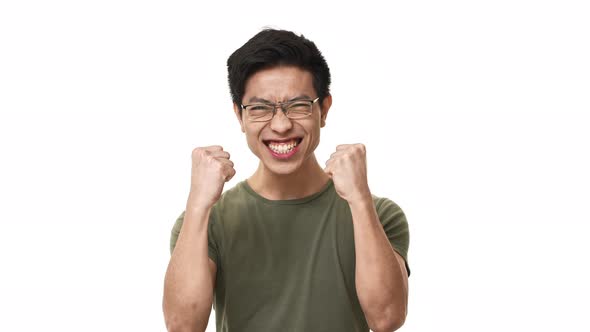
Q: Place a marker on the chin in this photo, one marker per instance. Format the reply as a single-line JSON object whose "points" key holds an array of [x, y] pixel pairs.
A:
{"points": [[284, 169]]}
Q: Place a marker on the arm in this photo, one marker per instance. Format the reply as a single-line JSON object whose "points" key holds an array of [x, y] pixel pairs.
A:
{"points": [[190, 277], [381, 276]]}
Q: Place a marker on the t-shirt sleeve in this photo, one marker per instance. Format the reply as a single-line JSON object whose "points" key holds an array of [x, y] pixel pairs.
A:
{"points": [[211, 235], [395, 226]]}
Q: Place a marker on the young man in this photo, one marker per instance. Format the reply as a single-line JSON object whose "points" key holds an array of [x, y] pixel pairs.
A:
{"points": [[295, 247]]}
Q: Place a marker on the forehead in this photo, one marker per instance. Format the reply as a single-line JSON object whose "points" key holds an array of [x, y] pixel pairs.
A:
{"points": [[279, 83]]}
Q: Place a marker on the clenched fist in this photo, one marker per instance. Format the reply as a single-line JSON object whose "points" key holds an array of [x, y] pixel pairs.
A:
{"points": [[211, 168], [348, 169]]}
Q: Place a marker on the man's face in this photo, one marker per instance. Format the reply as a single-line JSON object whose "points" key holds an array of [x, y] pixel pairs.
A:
{"points": [[281, 84]]}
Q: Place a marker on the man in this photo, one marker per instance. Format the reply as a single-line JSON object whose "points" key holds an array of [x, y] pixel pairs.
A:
{"points": [[295, 247]]}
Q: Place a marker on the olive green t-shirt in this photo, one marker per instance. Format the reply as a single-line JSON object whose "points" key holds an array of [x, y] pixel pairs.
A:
{"points": [[288, 265]]}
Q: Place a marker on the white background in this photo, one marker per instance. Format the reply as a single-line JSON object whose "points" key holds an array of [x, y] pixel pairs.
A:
{"points": [[475, 118]]}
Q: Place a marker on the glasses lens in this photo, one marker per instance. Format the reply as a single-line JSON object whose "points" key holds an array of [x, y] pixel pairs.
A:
{"points": [[298, 110], [259, 112]]}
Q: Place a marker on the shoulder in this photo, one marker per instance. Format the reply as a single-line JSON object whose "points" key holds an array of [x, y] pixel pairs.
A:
{"points": [[385, 204], [389, 212], [395, 225]]}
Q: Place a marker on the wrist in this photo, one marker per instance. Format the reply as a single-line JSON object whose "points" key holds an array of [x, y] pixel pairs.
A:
{"points": [[196, 205], [363, 200]]}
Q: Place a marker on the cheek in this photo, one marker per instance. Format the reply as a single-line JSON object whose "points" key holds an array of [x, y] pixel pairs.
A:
{"points": [[314, 137], [252, 138]]}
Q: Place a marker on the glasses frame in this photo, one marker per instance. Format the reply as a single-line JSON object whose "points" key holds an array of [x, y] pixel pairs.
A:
{"points": [[284, 106]]}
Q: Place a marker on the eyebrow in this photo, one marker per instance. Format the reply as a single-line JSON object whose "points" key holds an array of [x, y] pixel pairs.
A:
{"points": [[262, 100]]}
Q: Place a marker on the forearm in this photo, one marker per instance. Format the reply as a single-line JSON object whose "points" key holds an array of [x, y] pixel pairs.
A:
{"points": [[188, 284], [380, 284]]}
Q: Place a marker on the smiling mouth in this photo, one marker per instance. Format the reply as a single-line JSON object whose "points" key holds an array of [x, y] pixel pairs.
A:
{"points": [[283, 147]]}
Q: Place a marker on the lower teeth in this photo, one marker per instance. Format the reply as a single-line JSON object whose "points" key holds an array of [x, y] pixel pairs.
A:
{"points": [[281, 152]]}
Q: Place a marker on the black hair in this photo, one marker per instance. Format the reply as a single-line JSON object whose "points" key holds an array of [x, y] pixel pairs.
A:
{"points": [[270, 48]]}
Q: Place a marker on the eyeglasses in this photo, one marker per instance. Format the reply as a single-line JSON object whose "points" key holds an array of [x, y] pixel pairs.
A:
{"points": [[296, 109]]}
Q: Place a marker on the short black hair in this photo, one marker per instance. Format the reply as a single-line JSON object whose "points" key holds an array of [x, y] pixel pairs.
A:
{"points": [[270, 48]]}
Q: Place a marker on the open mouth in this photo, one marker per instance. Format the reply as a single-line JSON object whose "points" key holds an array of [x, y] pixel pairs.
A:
{"points": [[283, 147]]}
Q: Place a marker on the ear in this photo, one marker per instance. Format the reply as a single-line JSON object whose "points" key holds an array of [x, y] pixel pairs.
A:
{"points": [[237, 109], [325, 107]]}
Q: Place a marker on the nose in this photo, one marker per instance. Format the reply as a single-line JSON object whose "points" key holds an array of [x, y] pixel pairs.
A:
{"points": [[280, 122]]}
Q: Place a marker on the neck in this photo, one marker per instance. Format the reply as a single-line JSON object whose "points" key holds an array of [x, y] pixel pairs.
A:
{"points": [[307, 180]]}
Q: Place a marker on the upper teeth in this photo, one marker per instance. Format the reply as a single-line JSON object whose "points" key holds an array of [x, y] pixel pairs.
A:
{"points": [[283, 147]]}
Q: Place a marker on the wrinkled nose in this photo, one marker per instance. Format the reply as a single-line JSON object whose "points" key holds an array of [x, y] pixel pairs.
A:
{"points": [[280, 122]]}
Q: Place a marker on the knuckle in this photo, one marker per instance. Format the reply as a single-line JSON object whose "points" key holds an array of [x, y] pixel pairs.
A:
{"points": [[196, 151], [200, 152], [210, 159]]}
